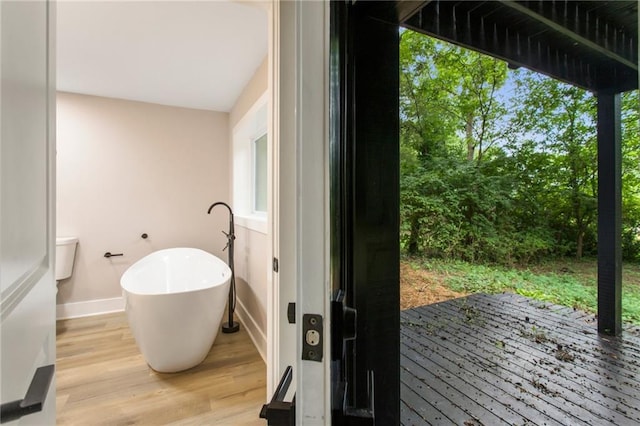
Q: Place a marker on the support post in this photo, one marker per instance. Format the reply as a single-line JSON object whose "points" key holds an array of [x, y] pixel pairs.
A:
{"points": [[609, 214]]}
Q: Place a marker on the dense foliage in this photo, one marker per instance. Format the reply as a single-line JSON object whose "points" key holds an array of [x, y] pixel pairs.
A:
{"points": [[500, 165], [566, 281]]}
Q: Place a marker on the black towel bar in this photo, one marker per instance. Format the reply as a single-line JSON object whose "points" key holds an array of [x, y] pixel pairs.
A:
{"points": [[109, 254]]}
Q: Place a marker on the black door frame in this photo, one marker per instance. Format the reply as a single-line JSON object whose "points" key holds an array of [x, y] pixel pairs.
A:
{"points": [[364, 197], [364, 206]]}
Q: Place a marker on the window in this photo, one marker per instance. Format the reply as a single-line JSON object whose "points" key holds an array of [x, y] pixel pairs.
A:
{"points": [[250, 168], [260, 174]]}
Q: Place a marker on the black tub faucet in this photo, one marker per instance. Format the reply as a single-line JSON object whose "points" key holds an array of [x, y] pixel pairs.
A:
{"points": [[229, 327]]}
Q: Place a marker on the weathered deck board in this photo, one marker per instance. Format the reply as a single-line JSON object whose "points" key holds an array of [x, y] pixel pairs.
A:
{"points": [[504, 359]]}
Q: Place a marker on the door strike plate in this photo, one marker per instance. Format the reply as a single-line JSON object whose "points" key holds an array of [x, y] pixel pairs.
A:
{"points": [[312, 342]]}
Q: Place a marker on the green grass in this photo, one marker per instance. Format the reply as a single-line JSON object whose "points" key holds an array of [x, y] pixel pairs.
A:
{"points": [[564, 282]]}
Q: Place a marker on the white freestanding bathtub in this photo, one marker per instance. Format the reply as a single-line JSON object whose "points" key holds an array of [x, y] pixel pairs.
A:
{"points": [[175, 299]]}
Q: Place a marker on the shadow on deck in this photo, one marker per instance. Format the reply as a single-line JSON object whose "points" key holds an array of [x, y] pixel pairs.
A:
{"points": [[505, 359]]}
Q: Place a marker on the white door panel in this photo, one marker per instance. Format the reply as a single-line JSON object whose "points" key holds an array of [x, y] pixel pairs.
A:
{"points": [[27, 288], [24, 131], [300, 129]]}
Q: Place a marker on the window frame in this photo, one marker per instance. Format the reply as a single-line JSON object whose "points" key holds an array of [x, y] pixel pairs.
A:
{"points": [[248, 129]]}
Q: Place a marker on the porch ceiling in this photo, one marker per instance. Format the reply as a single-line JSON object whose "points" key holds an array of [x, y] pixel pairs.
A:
{"points": [[591, 44]]}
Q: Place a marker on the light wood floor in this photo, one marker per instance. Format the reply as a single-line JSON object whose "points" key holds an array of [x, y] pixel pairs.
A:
{"points": [[103, 380]]}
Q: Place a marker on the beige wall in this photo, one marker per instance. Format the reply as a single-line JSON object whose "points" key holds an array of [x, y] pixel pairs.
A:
{"points": [[125, 168], [250, 94], [252, 262]]}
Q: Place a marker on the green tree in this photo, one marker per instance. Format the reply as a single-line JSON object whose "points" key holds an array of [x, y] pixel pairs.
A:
{"points": [[558, 122], [448, 113], [424, 132], [484, 179], [631, 175], [471, 81]]}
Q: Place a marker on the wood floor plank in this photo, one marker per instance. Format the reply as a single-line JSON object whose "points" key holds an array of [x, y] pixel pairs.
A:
{"points": [[489, 347], [517, 395], [414, 410], [532, 347], [102, 379], [540, 368], [598, 358], [429, 404]]}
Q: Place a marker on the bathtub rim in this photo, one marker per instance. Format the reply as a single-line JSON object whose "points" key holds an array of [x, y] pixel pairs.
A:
{"points": [[227, 273]]}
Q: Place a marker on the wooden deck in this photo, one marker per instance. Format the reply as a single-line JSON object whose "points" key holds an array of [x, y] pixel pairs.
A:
{"points": [[504, 359]]}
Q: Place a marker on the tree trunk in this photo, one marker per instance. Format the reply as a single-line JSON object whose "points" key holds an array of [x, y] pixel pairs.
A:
{"points": [[579, 245], [471, 147], [414, 237]]}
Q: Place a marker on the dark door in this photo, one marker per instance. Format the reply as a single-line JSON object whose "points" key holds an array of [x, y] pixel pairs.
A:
{"points": [[364, 125]]}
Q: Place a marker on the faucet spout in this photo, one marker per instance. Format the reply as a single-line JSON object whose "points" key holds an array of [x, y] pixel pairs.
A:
{"points": [[220, 203]]}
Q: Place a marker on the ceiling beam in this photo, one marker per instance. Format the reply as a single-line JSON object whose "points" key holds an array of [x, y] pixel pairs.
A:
{"points": [[500, 31], [458, 26], [570, 34], [407, 8], [395, 12]]}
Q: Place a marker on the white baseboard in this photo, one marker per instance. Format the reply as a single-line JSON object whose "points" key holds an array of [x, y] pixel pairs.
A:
{"points": [[257, 336], [116, 304], [89, 308]]}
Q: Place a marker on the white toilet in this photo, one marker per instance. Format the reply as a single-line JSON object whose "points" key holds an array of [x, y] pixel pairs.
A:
{"points": [[65, 255]]}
